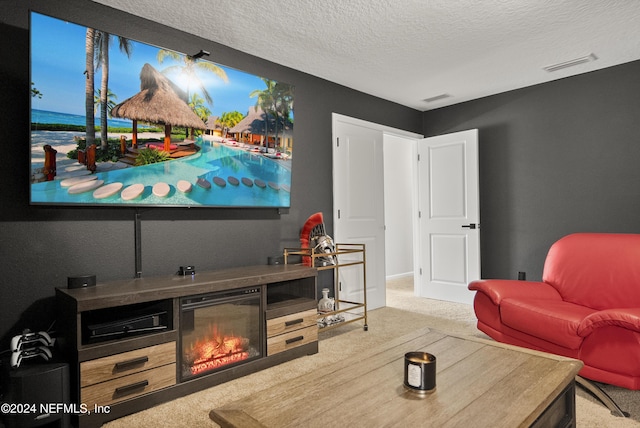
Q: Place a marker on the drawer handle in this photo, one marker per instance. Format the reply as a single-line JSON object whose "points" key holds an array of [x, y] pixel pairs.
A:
{"points": [[294, 339], [122, 365], [293, 322], [128, 389]]}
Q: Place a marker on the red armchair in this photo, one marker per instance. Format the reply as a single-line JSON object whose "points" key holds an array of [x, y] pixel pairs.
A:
{"points": [[586, 307]]}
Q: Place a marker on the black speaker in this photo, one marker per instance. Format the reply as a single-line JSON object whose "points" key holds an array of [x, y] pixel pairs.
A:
{"points": [[42, 393], [81, 281]]}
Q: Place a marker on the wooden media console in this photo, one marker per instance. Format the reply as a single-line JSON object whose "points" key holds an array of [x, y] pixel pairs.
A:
{"points": [[122, 339]]}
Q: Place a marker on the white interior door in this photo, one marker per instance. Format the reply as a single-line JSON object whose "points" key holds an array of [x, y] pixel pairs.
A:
{"points": [[449, 216], [359, 207]]}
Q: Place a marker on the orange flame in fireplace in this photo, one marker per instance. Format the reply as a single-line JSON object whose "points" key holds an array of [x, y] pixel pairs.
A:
{"points": [[217, 350]]}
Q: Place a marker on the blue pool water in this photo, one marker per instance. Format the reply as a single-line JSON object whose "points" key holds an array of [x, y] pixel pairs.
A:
{"points": [[213, 160]]}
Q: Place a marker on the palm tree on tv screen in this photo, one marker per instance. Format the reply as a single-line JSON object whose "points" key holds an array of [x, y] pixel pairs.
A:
{"points": [[197, 105], [275, 100], [229, 119], [97, 55], [97, 100], [102, 44], [88, 87]]}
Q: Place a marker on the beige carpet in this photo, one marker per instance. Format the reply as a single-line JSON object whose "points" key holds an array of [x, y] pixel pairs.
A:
{"points": [[404, 313]]}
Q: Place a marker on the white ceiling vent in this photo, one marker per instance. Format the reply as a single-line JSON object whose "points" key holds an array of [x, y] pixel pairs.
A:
{"points": [[570, 63], [436, 98]]}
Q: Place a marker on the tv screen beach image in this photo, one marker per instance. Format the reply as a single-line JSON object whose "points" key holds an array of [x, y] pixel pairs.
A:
{"points": [[119, 122]]}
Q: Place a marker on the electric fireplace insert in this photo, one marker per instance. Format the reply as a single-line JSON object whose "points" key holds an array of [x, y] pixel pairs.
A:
{"points": [[220, 330]]}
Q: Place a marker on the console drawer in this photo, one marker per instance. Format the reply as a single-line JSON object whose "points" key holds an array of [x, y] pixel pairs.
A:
{"points": [[292, 339], [118, 365], [291, 322], [130, 386]]}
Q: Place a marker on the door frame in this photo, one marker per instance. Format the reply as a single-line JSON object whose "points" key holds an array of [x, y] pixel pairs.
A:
{"points": [[385, 130]]}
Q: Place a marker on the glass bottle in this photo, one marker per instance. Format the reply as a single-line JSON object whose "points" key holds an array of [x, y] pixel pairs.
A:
{"points": [[325, 304]]}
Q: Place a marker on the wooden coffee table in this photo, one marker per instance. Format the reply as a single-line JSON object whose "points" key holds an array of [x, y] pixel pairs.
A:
{"points": [[480, 383]]}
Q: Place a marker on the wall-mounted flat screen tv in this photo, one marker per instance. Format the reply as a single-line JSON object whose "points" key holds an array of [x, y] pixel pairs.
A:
{"points": [[118, 122]]}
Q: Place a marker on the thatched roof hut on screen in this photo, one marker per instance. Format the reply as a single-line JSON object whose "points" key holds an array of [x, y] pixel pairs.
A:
{"points": [[159, 101], [214, 127], [261, 128]]}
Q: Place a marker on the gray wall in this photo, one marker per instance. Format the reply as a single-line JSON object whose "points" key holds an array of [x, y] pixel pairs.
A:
{"points": [[40, 246], [556, 158]]}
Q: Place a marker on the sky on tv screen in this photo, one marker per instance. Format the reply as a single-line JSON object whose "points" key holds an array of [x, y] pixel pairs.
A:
{"points": [[58, 64]]}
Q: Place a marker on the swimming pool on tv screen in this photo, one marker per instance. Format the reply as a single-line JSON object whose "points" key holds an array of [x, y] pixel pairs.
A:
{"points": [[235, 177]]}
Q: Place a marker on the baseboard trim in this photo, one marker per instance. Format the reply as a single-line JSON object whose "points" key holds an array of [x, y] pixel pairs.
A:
{"points": [[399, 276]]}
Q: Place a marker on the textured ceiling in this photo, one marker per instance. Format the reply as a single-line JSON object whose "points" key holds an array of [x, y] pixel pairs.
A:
{"points": [[410, 50]]}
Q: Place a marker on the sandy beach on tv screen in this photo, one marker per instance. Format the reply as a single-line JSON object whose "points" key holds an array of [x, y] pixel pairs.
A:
{"points": [[65, 141]]}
